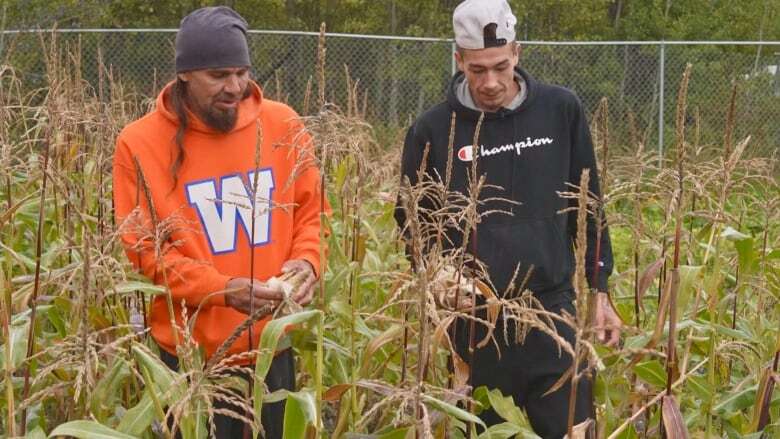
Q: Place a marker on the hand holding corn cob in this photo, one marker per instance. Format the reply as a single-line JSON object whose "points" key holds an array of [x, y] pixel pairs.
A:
{"points": [[285, 294], [243, 294]]}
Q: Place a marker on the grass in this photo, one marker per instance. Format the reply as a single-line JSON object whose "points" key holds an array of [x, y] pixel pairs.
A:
{"points": [[697, 257]]}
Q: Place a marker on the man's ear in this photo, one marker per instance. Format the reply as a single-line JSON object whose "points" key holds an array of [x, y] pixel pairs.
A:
{"points": [[184, 77], [459, 60], [518, 52]]}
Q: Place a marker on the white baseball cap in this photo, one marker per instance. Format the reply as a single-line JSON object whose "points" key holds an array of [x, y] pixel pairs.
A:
{"points": [[483, 23]]}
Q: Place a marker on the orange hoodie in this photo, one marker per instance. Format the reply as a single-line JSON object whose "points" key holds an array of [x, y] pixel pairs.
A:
{"points": [[207, 213]]}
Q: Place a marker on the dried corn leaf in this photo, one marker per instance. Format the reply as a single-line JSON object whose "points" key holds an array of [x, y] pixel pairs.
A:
{"points": [[493, 309], [763, 399], [335, 392], [376, 343], [674, 424], [441, 338], [663, 309], [584, 430], [646, 280], [565, 377]]}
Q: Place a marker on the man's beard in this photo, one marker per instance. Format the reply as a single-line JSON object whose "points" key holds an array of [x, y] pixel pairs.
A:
{"points": [[221, 120]]}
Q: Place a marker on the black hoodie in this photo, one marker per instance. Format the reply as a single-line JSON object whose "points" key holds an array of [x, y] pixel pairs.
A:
{"points": [[528, 154]]}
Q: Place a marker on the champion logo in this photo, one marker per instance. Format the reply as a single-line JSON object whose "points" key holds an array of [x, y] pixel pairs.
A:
{"points": [[466, 153]]}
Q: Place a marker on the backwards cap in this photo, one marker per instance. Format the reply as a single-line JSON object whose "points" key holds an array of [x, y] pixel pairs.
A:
{"points": [[480, 24]]}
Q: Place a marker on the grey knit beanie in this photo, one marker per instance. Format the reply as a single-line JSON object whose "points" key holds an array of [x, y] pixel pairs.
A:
{"points": [[211, 38]]}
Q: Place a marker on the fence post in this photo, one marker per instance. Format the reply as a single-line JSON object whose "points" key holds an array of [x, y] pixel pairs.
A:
{"points": [[661, 77], [776, 81], [452, 59]]}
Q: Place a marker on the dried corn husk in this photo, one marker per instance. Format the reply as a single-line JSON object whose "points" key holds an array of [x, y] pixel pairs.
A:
{"points": [[584, 430], [288, 283], [450, 287], [449, 284]]}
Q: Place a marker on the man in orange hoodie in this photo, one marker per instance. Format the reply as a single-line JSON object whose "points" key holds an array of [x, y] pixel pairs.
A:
{"points": [[215, 191]]}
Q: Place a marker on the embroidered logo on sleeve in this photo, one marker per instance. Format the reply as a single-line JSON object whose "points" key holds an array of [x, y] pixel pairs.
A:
{"points": [[222, 208], [466, 153]]}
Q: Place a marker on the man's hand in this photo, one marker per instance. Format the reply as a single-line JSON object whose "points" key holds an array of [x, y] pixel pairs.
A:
{"points": [[306, 291], [607, 323], [241, 290]]}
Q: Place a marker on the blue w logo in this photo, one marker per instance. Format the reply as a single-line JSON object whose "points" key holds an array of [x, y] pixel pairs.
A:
{"points": [[222, 207]]}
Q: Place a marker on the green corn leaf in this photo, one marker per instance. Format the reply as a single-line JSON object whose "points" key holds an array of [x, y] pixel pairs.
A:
{"points": [[300, 414], [689, 279], [162, 376], [628, 433], [17, 345], [505, 430], [737, 401], [36, 433], [269, 340], [745, 246], [505, 407], [699, 387], [452, 410], [107, 389], [132, 286], [88, 430], [400, 433], [651, 372], [139, 417]]}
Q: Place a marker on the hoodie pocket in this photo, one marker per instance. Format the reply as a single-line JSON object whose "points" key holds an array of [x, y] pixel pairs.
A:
{"points": [[525, 244]]}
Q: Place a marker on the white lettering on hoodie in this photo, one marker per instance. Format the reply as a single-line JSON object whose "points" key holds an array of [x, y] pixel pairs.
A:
{"points": [[465, 153]]}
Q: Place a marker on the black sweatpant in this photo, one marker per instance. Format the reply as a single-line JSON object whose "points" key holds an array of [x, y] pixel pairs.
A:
{"points": [[526, 372], [281, 375]]}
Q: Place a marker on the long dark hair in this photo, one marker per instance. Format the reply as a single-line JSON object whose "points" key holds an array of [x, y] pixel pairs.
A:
{"points": [[178, 100]]}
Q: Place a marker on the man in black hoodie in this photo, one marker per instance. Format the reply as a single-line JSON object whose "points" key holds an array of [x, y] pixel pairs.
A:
{"points": [[533, 140]]}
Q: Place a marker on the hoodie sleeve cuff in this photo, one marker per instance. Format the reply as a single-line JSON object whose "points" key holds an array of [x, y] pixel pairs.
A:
{"points": [[313, 258], [219, 285], [602, 285]]}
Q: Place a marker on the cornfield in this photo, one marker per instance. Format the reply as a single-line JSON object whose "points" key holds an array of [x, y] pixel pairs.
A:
{"points": [[697, 284]]}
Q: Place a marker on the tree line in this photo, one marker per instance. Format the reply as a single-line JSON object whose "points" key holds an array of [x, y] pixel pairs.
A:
{"points": [[537, 19]]}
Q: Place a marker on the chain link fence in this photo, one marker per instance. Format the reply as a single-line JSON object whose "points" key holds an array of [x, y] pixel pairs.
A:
{"points": [[403, 76]]}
